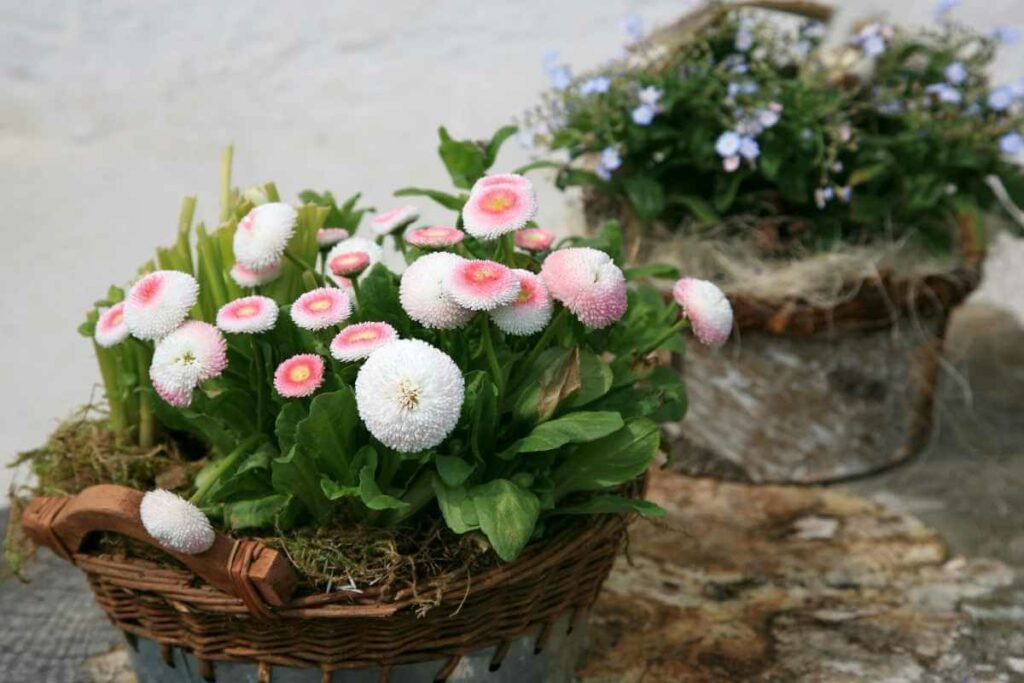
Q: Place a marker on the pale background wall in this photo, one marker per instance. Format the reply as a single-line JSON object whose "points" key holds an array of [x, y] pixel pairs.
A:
{"points": [[111, 111]]}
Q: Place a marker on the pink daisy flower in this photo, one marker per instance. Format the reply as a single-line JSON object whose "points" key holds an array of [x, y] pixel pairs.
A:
{"points": [[494, 209], [158, 303], [349, 263], [320, 308], [422, 293], [481, 285], [357, 244], [261, 237], [496, 179], [299, 376], [534, 239], [356, 342], [248, 315], [588, 283], [328, 237], [531, 310], [191, 354], [111, 328], [395, 219], [247, 277], [707, 308], [434, 237]]}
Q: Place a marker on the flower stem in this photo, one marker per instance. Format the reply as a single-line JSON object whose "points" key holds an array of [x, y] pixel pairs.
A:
{"points": [[112, 388], [682, 324], [222, 466], [492, 359], [147, 421], [545, 340], [225, 183], [301, 263]]}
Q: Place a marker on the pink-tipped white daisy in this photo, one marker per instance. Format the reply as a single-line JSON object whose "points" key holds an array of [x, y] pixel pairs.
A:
{"points": [[188, 356], [358, 341], [320, 308], [409, 395], [159, 302], [175, 523], [299, 376], [434, 237], [481, 285], [247, 277], [422, 293], [357, 244], [393, 220], [328, 237], [110, 327], [349, 264], [495, 209], [263, 234], [707, 308], [534, 239], [530, 311], [497, 179], [588, 283], [248, 315]]}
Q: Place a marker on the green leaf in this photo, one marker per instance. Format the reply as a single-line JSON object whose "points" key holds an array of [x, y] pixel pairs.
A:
{"points": [[578, 427], [258, 512], [535, 165], [457, 507], [208, 428], [297, 474], [379, 301], [611, 505], [494, 146], [611, 461], [464, 160], [698, 208], [646, 197], [449, 201], [554, 377], [453, 470], [596, 378], [287, 420], [332, 433], [369, 491], [508, 514], [661, 271]]}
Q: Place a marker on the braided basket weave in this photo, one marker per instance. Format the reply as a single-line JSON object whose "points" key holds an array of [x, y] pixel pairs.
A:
{"points": [[236, 602]]}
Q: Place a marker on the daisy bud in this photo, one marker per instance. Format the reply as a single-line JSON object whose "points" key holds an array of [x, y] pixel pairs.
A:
{"points": [[299, 376], [534, 239], [328, 237], [409, 395], [356, 342], [246, 277], [158, 303], [531, 310], [481, 285], [175, 523], [320, 308], [423, 296], [434, 237], [248, 315], [707, 308], [350, 263], [499, 205], [193, 353], [588, 283], [393, 220], [357, 244], [261, 237], [111, 328]]}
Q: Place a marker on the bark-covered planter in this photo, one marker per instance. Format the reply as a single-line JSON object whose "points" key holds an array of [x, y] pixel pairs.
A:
{"points": [[234, 611], [805, 393]]}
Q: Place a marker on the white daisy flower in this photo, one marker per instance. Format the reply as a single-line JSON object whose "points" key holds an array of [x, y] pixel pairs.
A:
{"points": [[248, 315], [531, 310], [393, 220], [263, 234], [707, 308], [328, 237], [159, 302], [175, 523], [409, 395], [246, 277], [320, 308], [422, 292], [357, 244], [111, 328], [193, 353]]}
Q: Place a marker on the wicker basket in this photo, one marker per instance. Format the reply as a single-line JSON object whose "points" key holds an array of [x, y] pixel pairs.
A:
{"points": [[237, 602], [805, 393]]}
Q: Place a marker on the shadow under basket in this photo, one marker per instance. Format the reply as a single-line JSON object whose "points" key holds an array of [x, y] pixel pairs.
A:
{"points": [[233, 613]]}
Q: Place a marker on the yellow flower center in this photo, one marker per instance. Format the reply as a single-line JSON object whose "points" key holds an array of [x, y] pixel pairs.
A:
{"points": [[300, 373], [320, 305], [247, 311], [498, 202], [483, 273], [364, 335], [408, 395]]}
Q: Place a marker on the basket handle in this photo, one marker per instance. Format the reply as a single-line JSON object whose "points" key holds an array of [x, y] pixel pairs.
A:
{"points": [[255, 574]]}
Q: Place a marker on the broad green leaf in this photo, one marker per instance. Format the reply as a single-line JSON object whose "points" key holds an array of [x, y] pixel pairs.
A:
{"points": [[297, 474], [661, 271], [332, 433], [508, 514], [464, 160], [369, 491], [595, 380], [449, 201], [494, 146], [287, 420], [456, 506], [335, 491], [646, 197], [453, 470], [611, 461], [578, 427], [698, 208], [210, 429], [257, 513], [535, 165], [607, 504], [554, 377]]}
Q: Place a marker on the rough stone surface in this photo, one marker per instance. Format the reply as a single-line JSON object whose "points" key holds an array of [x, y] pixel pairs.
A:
{"points": [[765, 408]]}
